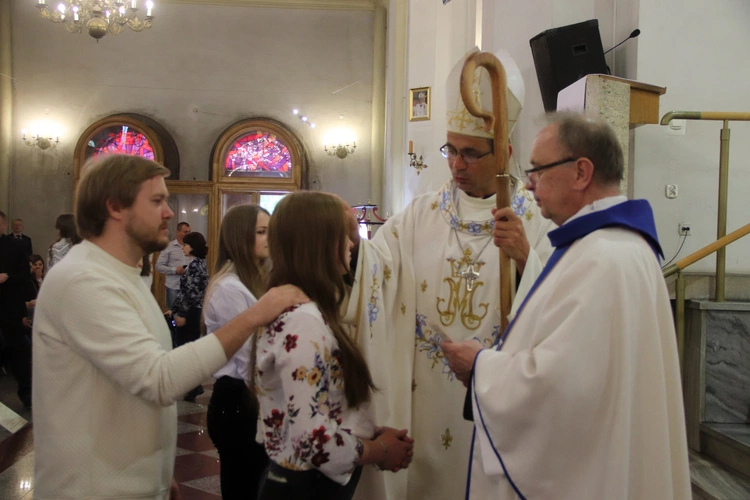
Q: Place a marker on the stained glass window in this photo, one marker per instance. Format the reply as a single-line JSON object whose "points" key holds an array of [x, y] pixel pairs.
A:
{"points": [[258, 154], [119, 140]]}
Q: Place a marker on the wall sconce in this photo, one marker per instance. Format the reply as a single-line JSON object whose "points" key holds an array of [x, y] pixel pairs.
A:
{"points": [[340, 143], [413, 162], [367, 216], [340, 150], [40, 141]]}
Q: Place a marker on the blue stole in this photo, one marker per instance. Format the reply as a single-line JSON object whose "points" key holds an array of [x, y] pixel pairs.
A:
{"points": [[635, 215]]}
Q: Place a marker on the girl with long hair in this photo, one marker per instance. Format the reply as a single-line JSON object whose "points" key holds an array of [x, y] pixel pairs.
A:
{"points": [[67, 236], [238, 281], [313, 383]]}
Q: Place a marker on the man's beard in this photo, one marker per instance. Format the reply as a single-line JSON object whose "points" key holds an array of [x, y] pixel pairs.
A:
{"points": [[148, 242]]}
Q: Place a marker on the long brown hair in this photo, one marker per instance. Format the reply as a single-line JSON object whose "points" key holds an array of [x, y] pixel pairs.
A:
{"points": [[237, 250], [307, 239]]}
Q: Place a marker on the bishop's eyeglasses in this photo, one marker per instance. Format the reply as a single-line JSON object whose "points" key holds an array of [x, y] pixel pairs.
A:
{"points": [[470, 156]]}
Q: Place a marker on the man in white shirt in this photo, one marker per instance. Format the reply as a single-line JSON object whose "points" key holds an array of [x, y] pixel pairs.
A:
{"points": [[582, 396], [105, 376], [172, 262]]}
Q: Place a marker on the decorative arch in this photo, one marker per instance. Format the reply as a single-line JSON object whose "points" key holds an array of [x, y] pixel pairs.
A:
{"points": [[127, 133], [259, 152]]}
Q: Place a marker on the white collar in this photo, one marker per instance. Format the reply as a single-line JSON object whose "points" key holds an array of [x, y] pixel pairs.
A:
{"points": [[599, 205]]}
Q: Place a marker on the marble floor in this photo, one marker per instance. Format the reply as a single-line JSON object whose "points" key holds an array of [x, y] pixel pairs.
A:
{"points": [[197, 463]]}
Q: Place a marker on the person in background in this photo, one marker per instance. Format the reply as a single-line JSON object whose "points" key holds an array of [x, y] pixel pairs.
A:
{"points": [[172, 262], [31, 288], [188, 307], [19, 238], [314, 385], [14, 274], [236, 284], [67, 236], [145, 266]]}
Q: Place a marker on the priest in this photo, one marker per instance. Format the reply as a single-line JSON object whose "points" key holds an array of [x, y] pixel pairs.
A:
{"points": [[582, 398], [433, 271]]}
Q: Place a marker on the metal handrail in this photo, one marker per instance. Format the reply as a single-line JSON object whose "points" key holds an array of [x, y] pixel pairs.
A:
{"points": [[706, 251], [731, 116], [721, 224], [679, 294]]}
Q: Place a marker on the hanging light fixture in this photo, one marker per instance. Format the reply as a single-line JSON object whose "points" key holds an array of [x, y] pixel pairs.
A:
{"points": [[99, 17]]}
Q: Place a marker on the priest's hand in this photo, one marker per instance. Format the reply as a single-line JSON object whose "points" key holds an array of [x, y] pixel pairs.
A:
{"points": [[460, 356], [510, 236]]}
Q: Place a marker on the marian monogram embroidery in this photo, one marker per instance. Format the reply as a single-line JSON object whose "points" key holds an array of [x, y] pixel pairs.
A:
{"points": [[460, 302]]}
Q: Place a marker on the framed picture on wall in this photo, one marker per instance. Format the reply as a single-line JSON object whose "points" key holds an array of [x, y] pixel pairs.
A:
{"points": [[420, 101]]}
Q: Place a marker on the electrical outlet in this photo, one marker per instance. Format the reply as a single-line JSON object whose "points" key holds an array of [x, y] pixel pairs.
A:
{"points": [[683, 229]]}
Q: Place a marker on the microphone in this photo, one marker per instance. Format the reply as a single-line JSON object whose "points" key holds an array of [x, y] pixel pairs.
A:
{"points": [[634, 34]]}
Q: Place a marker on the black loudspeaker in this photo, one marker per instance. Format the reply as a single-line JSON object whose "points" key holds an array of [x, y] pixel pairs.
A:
{"points": [[565, 55]]}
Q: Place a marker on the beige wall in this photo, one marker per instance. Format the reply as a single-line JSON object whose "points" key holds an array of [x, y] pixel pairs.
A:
{"points": [[196, 71]]}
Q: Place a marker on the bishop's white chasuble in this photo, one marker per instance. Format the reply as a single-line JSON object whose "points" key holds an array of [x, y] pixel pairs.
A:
{"points": [[584, 399], [434, 264]]}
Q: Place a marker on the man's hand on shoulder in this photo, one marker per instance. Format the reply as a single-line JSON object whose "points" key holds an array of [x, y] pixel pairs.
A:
{"points": [[510, 236]]}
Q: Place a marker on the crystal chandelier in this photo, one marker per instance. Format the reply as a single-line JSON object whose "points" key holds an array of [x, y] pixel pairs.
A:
{"points": [[99, 17]]}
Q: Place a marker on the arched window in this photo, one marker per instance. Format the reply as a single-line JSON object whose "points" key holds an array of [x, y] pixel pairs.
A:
{"points": [[256, 161], [127, 133]]}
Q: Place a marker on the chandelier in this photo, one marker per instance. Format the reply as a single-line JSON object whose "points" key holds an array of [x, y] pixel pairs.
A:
{"points": [[99, 17]]}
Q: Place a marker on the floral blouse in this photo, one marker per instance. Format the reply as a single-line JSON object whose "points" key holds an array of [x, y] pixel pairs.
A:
{"points": [[304, 420], [193, 286]]}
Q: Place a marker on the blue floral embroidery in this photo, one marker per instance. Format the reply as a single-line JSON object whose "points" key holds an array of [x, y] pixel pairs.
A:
{"points": [[372, 307], [428, 343], [474, 228], [448, 211], [490, 342], [518, 203], [445, 201]]}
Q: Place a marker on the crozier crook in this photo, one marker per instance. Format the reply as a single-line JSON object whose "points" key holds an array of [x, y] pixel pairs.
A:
{"points": [[498, 120]]}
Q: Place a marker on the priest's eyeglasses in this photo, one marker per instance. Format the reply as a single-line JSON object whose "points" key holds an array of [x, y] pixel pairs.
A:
{"points": [[470, 157], [527, 173]]}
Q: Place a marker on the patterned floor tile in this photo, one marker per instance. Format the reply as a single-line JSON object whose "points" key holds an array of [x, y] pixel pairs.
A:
{"points": [[195, 441], [189, 493], [183, 427], [194, 418], [209, 484], [211, 453], [188, 408]]}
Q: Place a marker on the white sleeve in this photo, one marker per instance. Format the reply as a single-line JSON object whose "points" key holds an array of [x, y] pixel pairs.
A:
{"points": [[228, 300], [103, 326]]}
